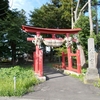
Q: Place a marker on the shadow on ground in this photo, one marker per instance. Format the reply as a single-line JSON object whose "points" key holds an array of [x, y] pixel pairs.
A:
{"points": [[52, 73]]}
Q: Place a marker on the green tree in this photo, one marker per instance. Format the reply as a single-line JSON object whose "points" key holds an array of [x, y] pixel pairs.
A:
{"points": [[11, 34], [4, 5], [83, 23], [95, 8], [51, 15]]}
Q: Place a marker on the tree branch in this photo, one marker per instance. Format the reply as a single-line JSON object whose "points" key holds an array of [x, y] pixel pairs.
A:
{"points": [[82, 10], [76, 10]]}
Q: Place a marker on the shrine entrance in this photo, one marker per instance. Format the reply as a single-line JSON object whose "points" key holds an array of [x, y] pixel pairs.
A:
{"points": [[53, 42]]}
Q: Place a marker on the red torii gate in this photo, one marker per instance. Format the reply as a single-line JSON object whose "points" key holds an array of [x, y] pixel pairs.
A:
{"points": [[38, 55]]}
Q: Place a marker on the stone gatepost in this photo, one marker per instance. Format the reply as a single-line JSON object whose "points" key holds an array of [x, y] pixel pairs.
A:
{"points": [[92, 71]]}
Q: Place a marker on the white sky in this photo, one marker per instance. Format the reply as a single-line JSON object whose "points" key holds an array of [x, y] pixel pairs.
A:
{"points": [[27, 5]]}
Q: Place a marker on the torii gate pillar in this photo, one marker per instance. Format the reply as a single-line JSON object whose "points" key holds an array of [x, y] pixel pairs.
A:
{"points": [[38, 55]]}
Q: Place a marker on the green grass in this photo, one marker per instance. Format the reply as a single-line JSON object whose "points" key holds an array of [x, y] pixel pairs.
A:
{"points": [[97, 84], [25, 79], [81, 76]]}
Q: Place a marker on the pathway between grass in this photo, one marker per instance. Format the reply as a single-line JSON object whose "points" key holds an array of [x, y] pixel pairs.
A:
{"points": [[61, 87]]}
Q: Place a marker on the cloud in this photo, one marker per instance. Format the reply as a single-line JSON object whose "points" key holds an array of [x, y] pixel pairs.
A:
{"points": [[27, 5], [24, 4], [17, 3]]}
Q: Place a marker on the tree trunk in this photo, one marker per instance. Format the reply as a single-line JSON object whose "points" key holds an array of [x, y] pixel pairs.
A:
{"points": [[78, 14], [13, 48], [90, 17], [97, 30], [51, 54], [76, 17], [76, 11], [72, 16]]}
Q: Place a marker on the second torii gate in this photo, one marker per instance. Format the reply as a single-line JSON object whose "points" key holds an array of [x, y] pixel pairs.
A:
{"points": [[54, 42]]}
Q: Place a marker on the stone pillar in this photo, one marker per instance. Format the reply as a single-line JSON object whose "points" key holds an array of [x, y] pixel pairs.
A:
{"points": [[92, 72]]}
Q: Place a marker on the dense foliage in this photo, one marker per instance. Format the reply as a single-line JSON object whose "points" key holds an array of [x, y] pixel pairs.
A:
{"points": [[84, 34], [52, 15], [12, 38], [24, 80], [56, 14], [4, 5]]}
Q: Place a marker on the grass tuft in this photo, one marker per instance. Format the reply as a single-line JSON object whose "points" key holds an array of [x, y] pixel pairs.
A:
{"points": [[25, 79]]}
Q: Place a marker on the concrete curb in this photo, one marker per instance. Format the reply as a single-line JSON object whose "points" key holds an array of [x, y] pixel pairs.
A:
{"points": [[12, 98], [70, 72]]}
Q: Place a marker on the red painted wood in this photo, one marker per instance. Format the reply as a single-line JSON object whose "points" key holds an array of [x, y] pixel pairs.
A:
{"points": [[37, 60], [63, 61], [38, 56], [78, 62], [40, 63], [72, 54], [49, 31], [67, 35], [53, 36], [30, 39], [74, 70], [34, 57], [37, 33], [69, 58]]}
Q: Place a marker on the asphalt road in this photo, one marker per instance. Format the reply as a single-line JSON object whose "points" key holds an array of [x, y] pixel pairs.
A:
{"points": [[60, 87]]}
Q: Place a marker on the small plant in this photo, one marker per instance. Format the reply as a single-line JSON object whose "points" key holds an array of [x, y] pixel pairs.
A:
{"points": [[81, 76], [97, 84], [25, 78]]}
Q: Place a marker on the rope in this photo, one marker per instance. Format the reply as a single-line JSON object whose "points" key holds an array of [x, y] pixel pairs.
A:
{"points": [[68, 41], [53, 42], [37, 40]]}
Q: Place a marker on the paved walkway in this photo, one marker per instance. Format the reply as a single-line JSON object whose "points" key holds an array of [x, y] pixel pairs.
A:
{"points": [[60, 87]]}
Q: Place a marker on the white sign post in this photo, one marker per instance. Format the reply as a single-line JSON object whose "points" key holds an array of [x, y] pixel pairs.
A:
{"points": [[14, 84]]}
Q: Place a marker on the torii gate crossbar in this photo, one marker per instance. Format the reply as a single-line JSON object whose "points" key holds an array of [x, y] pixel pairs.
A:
{"points": [[38, 55]]}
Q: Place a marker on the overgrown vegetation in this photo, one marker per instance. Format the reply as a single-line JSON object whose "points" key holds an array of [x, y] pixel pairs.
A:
{"points": [[24, 80], [97, 84], [97, 41], [84, 34], [81, 76]]}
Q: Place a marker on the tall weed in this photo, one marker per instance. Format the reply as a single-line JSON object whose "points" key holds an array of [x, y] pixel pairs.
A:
{"points": [[25, 78]]}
